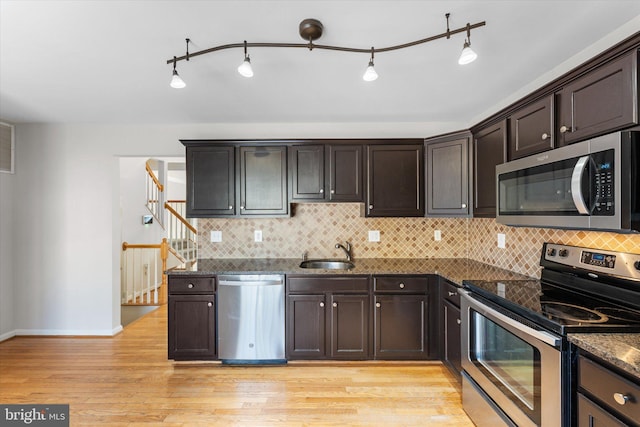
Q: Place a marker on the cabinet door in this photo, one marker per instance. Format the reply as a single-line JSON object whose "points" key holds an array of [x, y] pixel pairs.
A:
{"points": [[192, 327], [395, 180], [306, 169], [592, 415], [345, 173], [400, 329], [601, 101], [263, 181], [210, 181], [306, 327], [452, 343], [489, 147], [531, 129], [448, 176], [349, 326]]}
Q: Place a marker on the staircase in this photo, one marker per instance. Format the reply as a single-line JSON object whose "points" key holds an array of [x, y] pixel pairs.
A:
{"points": [[144, 266]]}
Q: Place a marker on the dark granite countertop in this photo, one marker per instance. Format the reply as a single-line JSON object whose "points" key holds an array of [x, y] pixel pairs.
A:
{"points": [[621, 350], [454, 269]]}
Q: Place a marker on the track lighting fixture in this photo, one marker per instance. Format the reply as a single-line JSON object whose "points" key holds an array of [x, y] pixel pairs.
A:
{"points": [[468, 55], [176, 80], [245, 69], [310, 30], [370, 73]]}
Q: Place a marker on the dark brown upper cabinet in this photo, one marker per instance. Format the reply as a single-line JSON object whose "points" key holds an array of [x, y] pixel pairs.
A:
{"points": [[395, 180], [531, 129], [210, 181], [490, 148], [306, 172], [601, 101], [345, 172], [263, 180], [326, 172], [447, 175]]}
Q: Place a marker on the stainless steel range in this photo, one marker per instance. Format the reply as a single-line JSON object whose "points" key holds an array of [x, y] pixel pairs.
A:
{"points": [[518, 366]]}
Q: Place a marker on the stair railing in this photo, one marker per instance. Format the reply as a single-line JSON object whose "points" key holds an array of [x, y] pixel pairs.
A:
{"points": [[155, 194], [182, 235], [143, 278]]}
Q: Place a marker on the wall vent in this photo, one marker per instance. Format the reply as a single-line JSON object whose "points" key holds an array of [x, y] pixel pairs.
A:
{"points": [[7, 148]]}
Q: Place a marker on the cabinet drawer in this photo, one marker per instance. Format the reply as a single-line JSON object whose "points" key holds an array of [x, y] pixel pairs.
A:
{"points": [[401, 284], [450, 293], [192, 285], [590, 414], [604, 385], [322, 284]]}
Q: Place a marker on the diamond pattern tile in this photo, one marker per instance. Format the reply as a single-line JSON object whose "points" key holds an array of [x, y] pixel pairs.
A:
{"points": [[316, 228]]}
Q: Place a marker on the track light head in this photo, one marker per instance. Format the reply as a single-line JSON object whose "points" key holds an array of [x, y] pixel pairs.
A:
{"points": [[370, 73], [176, 80], [467, 55], [245, 68]]}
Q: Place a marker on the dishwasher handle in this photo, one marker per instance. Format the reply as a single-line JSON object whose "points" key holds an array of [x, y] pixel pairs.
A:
{"points": [[251, 280], [249, 283]]}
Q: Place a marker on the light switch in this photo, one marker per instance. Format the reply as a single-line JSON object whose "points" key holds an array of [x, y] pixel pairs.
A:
{"points": [[501, 240], [374, 235], [216, 236], [437, 235], [257, 235]]}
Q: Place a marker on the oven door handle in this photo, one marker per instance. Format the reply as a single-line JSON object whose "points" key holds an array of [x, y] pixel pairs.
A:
{"points": [[576, 185], [547, 338]]}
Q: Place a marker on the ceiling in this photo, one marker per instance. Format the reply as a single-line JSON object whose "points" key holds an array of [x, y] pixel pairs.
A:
{"points": [[105, 61]]}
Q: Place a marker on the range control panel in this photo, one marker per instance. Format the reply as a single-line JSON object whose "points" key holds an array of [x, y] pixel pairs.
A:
{"points": [[594, 260], [598, 259]]}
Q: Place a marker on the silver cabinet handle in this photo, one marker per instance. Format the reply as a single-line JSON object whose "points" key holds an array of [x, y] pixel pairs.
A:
{"points": [[321, 304], [458, 321], [464, 206], [620, 398], [378, 304], [190, 286], [335, 304], [452, 293], [370, 206], [333, 191], [241, 207], [230, 207], [210, 304], [321, 190], [564, 129], [546, 136], [401, 285]]}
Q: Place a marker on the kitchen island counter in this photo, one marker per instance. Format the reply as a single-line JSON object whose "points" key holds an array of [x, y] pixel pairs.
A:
{"points": [[453, 269]]}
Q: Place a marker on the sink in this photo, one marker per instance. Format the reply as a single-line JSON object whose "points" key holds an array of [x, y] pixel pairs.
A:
{"points": [[327, 264]]}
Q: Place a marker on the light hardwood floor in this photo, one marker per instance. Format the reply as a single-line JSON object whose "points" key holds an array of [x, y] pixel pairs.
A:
{"points": [[128, 381]]}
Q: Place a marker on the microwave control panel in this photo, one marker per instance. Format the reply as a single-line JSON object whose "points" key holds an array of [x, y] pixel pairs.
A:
{"points": [[603, 183]]}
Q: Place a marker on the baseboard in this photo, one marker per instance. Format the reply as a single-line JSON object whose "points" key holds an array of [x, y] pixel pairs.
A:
{"points": [[69, 332], [7, 335]]}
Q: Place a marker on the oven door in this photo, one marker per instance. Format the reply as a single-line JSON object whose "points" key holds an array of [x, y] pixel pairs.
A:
{"points": [[514, 368]]}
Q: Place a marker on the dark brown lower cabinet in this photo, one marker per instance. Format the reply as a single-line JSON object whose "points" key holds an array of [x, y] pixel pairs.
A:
{"points": [[401, 327], [328, 318], [451, 347], [192, 327]]}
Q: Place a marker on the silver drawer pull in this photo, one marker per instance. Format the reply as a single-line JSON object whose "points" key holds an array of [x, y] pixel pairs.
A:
{"points": [[378, 304], [458, 321], [209, 304], [620, 398], [401, 285], [190, 286], [451, 294], [321, 304], [335, 304]]}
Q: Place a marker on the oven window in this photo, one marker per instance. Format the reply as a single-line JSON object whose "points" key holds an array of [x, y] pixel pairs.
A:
{"points": [[509, 362]]}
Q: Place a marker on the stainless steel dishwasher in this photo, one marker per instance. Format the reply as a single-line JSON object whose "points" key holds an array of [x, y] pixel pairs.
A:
{"points": [[251, 319]]}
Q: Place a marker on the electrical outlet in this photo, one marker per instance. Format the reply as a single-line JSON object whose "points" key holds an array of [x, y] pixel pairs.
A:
{"points": [[501, 240], [374, 235], [437, 235], [216, 236], [257, 235]]}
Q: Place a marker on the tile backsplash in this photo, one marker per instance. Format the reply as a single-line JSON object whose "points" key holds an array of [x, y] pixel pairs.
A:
{"points": [[316, 228]]}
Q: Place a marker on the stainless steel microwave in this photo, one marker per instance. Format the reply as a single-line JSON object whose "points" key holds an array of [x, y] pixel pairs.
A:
{"points": [[594, 185]]}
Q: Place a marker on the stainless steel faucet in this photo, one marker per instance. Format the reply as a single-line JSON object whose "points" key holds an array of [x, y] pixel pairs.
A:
{"points": [[346, 250]]}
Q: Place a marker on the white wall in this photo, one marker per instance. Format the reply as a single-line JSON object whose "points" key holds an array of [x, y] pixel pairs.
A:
{"points": [[66, 213], [7, 183]]}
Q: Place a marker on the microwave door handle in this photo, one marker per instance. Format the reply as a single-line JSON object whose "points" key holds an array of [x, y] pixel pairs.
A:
{"points": [[576, 185]]}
